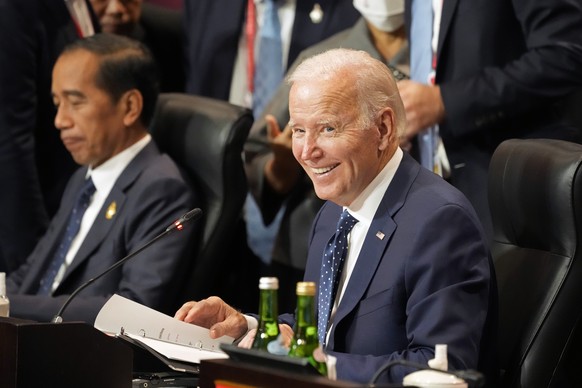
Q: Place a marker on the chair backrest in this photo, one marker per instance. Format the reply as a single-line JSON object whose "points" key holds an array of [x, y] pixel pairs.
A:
{"points": [[205, 138], [535, 195]]}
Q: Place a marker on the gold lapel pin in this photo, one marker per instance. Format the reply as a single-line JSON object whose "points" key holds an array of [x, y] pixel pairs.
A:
{"points": [[111, 210], [380, 235]]}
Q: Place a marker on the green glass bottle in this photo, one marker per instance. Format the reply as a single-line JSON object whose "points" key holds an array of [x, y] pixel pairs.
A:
{"points": [[268, 329], [305, 339]]}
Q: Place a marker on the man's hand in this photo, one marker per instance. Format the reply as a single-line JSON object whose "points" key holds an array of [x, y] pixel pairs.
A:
{"points": [[286, 335], [423, 104], [214, 314], [283, 171]]}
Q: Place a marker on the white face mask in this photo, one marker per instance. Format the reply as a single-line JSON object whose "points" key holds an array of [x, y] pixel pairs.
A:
{"points": [[385, 15]]}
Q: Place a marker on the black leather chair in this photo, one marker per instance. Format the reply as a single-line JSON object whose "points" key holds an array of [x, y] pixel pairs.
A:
{"points": [[205, 137], [535, 195]]}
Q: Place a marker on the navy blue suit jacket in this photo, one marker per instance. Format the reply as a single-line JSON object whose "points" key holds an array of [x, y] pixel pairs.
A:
{"points": [[148, 196], [213, 29], [428, 279], [504, 68]]}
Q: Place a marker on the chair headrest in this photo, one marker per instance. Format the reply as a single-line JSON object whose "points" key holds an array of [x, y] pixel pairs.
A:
{"points": [[534, 194]]}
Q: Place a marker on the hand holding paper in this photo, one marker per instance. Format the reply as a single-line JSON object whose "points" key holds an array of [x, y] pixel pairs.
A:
{"points": [[173, 338], [214, 314]]}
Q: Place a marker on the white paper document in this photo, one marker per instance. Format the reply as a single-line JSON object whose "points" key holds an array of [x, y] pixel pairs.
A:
{"points": [[168, 336]]}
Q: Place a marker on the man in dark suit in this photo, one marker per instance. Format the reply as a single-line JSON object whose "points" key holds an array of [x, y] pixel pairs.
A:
{"points": [[503, 70], [417, 271], [34, 165], [276, 179], [105, 89], [213, 29]]}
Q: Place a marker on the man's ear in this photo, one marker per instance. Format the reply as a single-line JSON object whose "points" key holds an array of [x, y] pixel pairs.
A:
{"points": [[386, 128], [132, 103]]}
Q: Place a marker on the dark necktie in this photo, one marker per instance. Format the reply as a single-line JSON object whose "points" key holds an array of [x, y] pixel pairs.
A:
{"points": [[331, 267], [81, 204]]}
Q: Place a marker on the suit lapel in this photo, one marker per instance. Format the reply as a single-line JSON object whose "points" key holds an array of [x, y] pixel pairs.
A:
{"points": [[100, 228], [106, 219], [377, 239], [56, 232], [449, 9]]}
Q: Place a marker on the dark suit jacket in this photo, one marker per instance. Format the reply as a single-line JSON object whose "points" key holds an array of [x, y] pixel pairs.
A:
{"points": [[34, 164], [213, 28], [504, 68], [429, 280], [149, 195]]}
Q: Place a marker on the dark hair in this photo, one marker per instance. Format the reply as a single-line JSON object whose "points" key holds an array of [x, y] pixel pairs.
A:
{"points": [[125, 64]]}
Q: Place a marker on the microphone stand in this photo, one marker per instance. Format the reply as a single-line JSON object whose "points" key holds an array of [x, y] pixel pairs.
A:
{"points": [[177, 225]]}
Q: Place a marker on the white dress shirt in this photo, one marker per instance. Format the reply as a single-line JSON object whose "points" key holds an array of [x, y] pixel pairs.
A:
{"points": [[104, 178]]}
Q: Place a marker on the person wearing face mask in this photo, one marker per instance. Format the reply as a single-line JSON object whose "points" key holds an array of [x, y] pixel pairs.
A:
{"points": [[276, 180]]}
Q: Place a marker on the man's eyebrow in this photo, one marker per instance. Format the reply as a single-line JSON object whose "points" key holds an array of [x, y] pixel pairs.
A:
{"points": [[71, 93], [328, 121]]}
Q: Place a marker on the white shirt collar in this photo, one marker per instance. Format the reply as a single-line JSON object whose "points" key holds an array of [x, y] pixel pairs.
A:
{"points": [[106, 174], [365, 205]]}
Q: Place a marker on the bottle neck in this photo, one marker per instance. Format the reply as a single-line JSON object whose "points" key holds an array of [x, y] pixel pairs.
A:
{"points": [[268, 308], [305, 310]]}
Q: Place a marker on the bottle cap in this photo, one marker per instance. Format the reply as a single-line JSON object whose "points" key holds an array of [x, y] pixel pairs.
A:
{"points": [[305, 288], [268, 283]]}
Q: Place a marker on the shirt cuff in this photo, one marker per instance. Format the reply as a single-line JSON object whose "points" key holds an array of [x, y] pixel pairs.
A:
{"points": [[330, 362], [252, 323]]}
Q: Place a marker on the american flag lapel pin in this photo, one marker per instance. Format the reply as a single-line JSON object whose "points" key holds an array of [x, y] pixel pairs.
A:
{"points": [[380, 235]]}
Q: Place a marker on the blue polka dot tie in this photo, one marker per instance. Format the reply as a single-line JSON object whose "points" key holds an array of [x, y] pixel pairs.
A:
{"points": [[331, 266], [81, 204]]}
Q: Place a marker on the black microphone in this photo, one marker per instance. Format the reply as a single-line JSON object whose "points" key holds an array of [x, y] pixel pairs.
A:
{"points": [[473, 378], [176, 225]]}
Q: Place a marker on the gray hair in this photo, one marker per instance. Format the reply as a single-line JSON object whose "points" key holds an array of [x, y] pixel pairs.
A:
{"points": [[375, 87]]}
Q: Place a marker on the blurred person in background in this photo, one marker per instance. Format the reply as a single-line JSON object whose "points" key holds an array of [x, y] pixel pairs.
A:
{"points": [[157, 26], [484, 71], [34, 164]]}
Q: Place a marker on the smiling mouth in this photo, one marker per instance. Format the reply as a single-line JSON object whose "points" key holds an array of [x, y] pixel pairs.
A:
{"points": [[323, 170]]}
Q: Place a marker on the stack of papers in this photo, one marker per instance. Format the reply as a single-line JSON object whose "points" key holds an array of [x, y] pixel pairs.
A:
{"points": [[174, 339]]}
